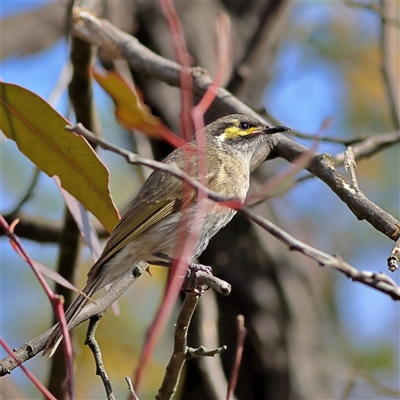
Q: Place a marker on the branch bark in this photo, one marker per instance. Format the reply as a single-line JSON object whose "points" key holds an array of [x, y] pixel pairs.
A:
{"points": [[36, 345], [31, 348]]}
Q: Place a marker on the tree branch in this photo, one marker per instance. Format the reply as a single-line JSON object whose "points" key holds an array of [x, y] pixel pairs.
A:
{"points": [[95, 348], [178, 358], [36, 345], [31, 348], [322, 166], [41, 230], [378, 281], [181, 351]]}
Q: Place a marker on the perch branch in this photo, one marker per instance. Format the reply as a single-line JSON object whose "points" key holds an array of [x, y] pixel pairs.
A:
{"points": [[36, 345], [95, 348], [31, 348]]}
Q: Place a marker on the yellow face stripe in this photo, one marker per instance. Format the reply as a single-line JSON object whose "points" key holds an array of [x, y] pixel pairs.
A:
{"points": [[234, 131]]}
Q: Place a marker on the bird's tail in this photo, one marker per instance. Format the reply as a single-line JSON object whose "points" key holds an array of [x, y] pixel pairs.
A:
{"points": [[73, 310]]}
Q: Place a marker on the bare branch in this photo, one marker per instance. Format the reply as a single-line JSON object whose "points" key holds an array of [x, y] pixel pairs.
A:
{"points": [[35, 346], [378, 281], [211, 370], [368, 147], [131, 389], [331, 139], [95, 348], [178, 358], [241, 335], [322, 166], [371, 146], [350, 165], [42, 230], [213, 282]]}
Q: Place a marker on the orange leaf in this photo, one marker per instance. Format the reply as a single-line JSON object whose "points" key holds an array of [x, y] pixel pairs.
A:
{"points": [[130, 109]]}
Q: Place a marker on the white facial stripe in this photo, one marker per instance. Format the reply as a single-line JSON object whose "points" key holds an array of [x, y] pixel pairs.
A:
{"points": [[221, 137]]}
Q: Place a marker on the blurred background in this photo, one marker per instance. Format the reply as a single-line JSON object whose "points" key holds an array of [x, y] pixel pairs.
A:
{"points": [[313, 334]]}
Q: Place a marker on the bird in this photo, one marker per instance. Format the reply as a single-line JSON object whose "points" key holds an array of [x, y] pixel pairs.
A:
{"points": [[149, 229]]}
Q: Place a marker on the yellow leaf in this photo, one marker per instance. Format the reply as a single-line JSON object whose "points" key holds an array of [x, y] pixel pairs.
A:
{"points": [[40, 134], [130, 110]]}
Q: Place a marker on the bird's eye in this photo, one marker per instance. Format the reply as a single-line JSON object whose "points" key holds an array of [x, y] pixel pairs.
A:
{"points": [[244, 126]]}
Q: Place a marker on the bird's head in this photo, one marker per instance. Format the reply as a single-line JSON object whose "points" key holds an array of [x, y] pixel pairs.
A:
{"points": [[242, 132]]}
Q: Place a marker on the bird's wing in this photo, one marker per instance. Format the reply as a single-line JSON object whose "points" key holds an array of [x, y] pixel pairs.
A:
{"points": [[161, 196]]}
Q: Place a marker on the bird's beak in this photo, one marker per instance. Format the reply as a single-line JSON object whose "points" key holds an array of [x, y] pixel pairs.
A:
{"points": [[275, 129]]}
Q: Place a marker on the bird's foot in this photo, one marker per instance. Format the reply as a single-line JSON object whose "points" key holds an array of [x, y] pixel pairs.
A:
{"points": [[191, 282]]}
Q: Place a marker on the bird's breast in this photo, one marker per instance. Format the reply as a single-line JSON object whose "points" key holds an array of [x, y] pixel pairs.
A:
{"points": [[230, 179]]}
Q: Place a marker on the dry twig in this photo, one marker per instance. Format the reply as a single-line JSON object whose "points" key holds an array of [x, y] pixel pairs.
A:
{"points": [[95, 348]]}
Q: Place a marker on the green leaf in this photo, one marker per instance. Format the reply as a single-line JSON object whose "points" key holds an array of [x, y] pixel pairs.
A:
{"points": [[40, 134]]}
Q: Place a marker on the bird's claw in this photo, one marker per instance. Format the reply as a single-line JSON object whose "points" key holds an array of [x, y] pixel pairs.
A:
{"points": [[191, 285]]}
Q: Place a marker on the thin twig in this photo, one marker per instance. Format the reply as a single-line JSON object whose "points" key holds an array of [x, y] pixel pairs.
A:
{"points": [[178, 358], [211, 370], [241, 335], [131, 389], [376, 280], [95, 348], [183, 58], [330, 139], [369, 147], [322, 166]]}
